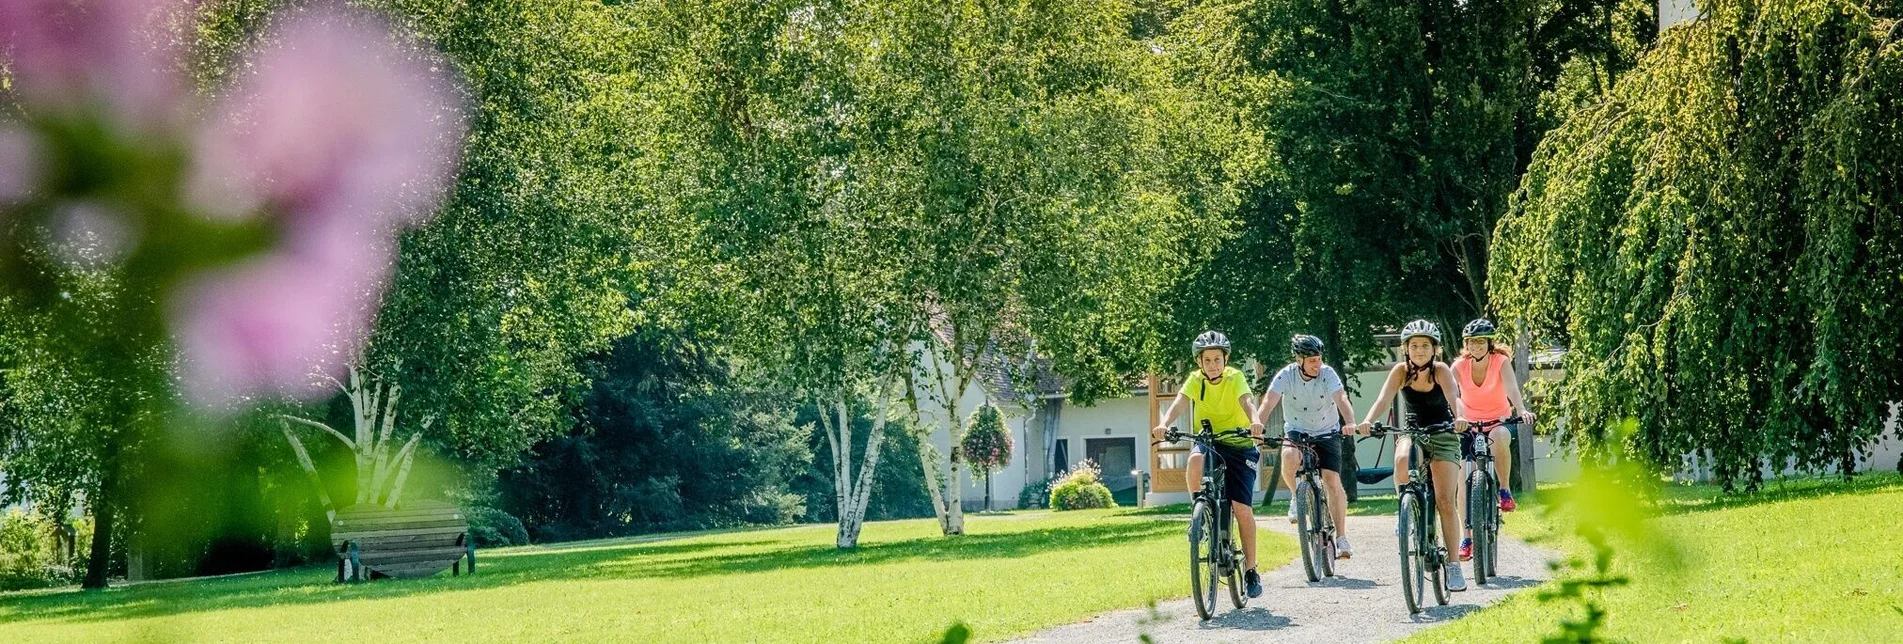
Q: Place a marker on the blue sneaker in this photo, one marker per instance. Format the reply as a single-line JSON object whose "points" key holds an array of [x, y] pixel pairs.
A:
{"points": [[1254, 582]]}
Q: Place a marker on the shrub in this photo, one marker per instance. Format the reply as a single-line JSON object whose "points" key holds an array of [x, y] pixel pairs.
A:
{"points": [[494, 528], [1036, 494], [1080, 489], [30, 554]]}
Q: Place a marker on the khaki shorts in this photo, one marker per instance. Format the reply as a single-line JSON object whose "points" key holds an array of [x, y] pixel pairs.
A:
{"points": [[1441, 447]]}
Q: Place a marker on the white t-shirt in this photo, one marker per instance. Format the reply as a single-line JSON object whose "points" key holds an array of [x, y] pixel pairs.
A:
{"points": [[1308, 405]]}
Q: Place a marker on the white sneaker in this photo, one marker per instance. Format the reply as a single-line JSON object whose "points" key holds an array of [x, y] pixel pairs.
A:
{"points": [[1342, 549], [1455, 582], [1291, 511]]}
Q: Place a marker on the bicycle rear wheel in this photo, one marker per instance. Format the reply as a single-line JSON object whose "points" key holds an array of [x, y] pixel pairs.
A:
{"points": [[1480, 504], [1238, 595], [1202, 559], [1413, 581], [1305, 530]]}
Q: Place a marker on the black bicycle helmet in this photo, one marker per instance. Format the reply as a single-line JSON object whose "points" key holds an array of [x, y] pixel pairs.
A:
{"points": [[1481, 328], [1210, 340], [1421, 328], [1305, 345]]}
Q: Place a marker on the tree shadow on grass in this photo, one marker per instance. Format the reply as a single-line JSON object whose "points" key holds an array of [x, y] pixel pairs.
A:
{"points": [[1688, 500], [312, 585]]}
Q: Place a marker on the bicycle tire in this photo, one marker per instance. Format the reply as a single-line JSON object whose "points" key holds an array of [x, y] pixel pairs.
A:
{"points": [[1202, 560], [1478, 520], [1304, 531], [1324, 530], [1238, 596], [1413, 581], [1435, 556]]}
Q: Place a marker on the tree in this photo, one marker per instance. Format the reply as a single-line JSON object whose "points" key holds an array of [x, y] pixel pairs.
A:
{"points": [[986, 444], [380, 473], [1715, 241], [1049, 188], [1378, 142]]}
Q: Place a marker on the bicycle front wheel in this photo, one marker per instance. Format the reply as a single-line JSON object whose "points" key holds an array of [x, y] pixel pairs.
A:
{"points": [[1413, 578], [1202, 559], [1480, 504], [1324, 529], [1305, 530]]}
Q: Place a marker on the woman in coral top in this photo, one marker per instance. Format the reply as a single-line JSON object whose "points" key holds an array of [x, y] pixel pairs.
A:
{"points": [[1489, 391]]}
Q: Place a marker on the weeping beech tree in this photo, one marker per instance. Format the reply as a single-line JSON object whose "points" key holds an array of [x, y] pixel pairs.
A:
{"points": [[1719, 241]]}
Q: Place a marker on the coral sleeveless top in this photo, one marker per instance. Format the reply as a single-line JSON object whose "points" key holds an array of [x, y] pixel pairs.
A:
{"points": [[1487, 400]]}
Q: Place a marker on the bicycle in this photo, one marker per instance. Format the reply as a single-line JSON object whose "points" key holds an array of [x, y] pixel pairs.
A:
{"points": [[1421, 560], [1316, 524], [1483, 507], [1216, 560]]}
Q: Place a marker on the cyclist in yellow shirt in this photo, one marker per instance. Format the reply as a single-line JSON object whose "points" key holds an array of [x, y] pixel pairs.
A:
{"points": [[1219, 394]]}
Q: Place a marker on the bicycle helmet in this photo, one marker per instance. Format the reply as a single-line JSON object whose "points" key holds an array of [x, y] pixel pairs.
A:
{"points": [[1305, 345], [1210, 340], [1421, 328], [1481, 328]]}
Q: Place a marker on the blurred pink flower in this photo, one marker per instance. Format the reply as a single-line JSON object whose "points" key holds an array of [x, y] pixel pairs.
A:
{"points": [[269, 325], [335, 122], [118, 55], [346, 138]]}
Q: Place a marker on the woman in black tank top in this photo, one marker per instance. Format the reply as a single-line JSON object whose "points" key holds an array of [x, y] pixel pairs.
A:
{"points": [[1426, 407], [1427, 384]]}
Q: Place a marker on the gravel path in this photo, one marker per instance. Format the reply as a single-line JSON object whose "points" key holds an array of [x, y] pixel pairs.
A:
{"points": [[1361, 604]]}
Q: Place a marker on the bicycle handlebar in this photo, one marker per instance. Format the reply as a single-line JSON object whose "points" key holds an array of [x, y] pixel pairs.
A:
{"points": [[1436, 428], [1441, 428]]}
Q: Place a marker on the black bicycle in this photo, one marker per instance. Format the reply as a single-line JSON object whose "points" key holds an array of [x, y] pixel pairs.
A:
{"points": [[1214, 558], [1316, 523], [1417, 530], [1483, 506]]}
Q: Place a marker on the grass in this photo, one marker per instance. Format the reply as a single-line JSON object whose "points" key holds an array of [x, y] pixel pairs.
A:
{"points": [[1804, 561], [1009, 575]]}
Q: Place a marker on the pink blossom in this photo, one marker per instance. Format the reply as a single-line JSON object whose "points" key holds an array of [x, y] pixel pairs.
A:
{"points": [[335, 122], [269, 325], [118, 55], [347, 139]]}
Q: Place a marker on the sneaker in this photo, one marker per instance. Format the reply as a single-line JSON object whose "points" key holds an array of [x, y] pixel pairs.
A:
{"points": [[1466, 549], [1342, 549], [1291, 511], [1506, 501], [1254, 582], [1455, 582]]}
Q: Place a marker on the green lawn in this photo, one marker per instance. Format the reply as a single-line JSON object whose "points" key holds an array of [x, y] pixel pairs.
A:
{"points": [[1011, 574], [1808, 561]]}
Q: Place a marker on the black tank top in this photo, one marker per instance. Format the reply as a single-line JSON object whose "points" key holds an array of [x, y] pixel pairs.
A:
{"points": [[1426, 407]]}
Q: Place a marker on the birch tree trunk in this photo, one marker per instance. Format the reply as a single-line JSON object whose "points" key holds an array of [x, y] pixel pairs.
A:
{"points": [[855, 492], [942, 475], [380, 475], [927, 455]]}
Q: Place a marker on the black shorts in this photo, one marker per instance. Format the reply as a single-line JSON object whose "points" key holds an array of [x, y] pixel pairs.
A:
{"points": [[1467, 440], [1327, 451], [1239, 483]]}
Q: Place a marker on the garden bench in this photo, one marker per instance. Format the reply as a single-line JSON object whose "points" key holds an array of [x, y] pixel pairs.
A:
{"points": [[418, 540]]}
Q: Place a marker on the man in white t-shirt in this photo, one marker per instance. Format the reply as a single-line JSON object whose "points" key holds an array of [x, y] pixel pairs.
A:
{"points": [[1314, 403]]}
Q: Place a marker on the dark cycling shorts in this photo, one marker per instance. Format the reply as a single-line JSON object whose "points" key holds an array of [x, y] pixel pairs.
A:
{"points": [[1327, 452], [1467, 440], [1239, 483]]}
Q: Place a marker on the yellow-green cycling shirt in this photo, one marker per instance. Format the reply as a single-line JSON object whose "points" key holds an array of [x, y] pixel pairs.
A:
{"points": [[1219, 402]]}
